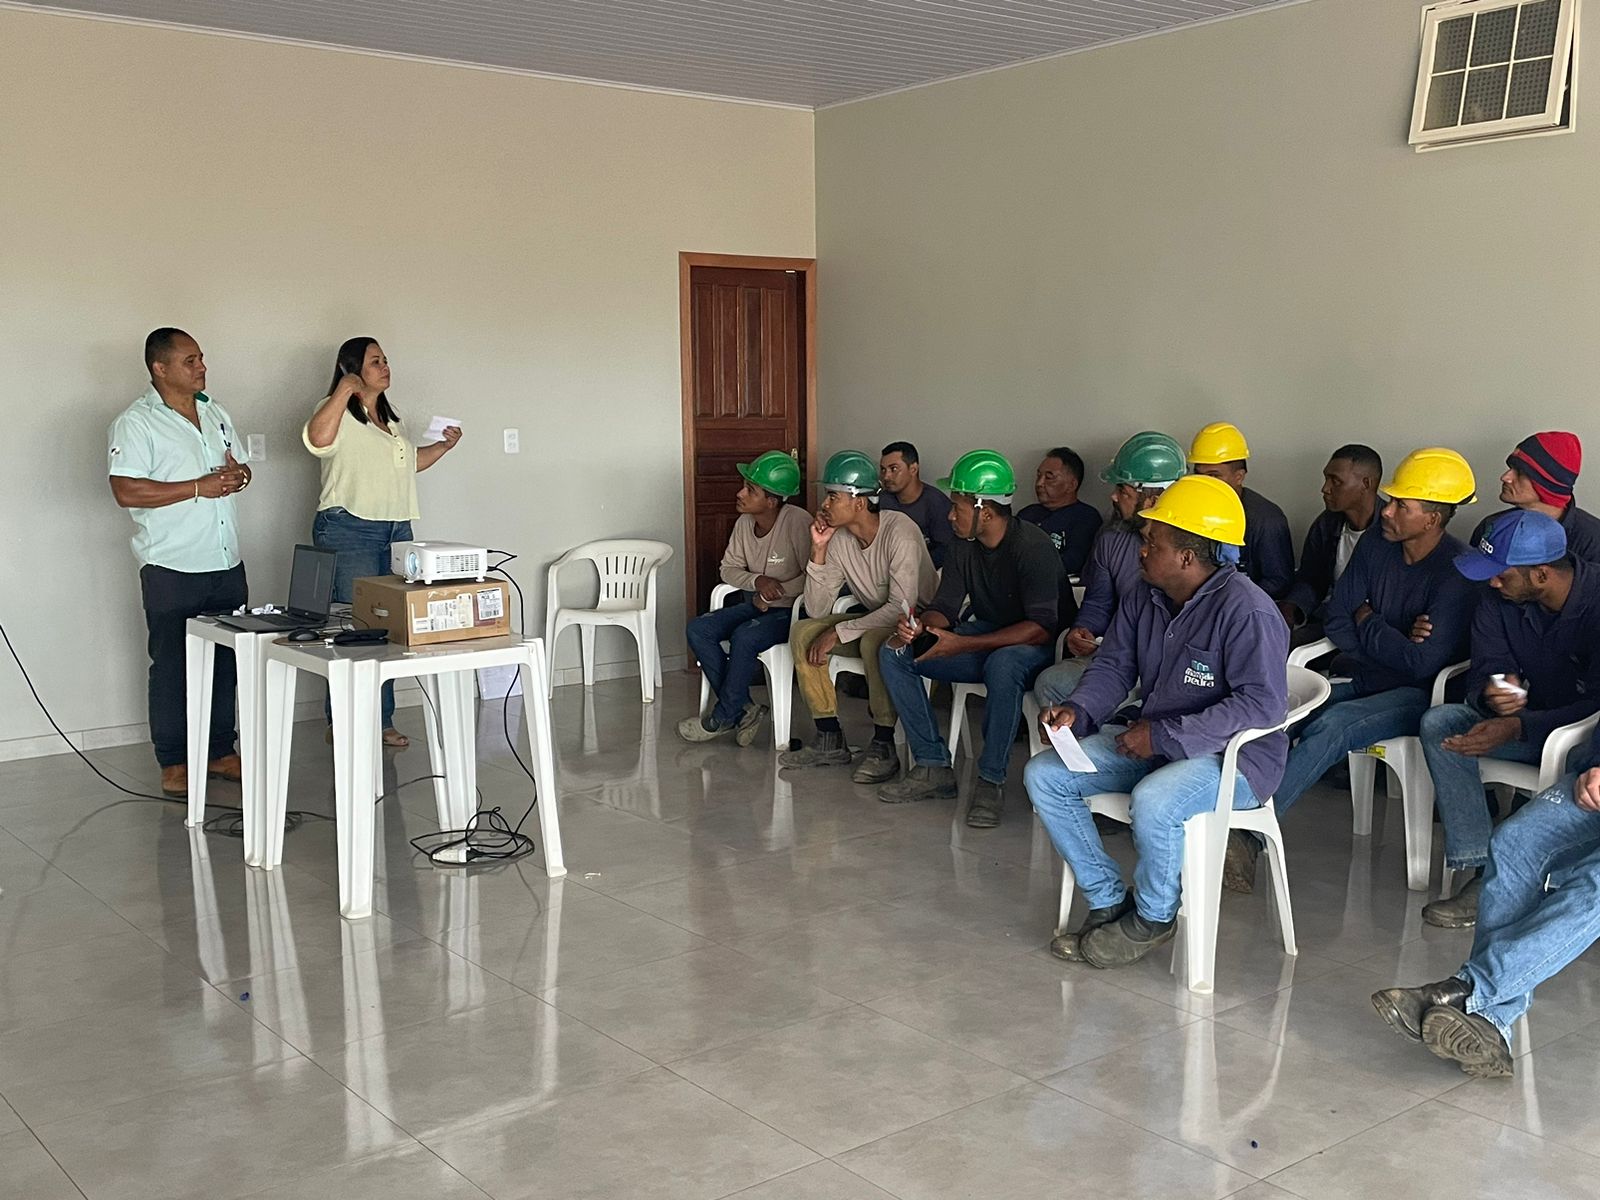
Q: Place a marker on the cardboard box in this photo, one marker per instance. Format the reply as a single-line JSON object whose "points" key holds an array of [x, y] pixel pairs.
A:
{"points": [[420, 614]]}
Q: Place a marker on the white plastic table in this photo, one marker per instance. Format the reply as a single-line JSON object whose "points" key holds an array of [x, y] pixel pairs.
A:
{"points": [[355, 675], [202, 637]]}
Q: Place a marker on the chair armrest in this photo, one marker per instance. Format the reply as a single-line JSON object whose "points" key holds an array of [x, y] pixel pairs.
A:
{"points": [[1561, 743], [720, 593], [1444, 677], [1302, 656], [843, 604], [1230, 762]]}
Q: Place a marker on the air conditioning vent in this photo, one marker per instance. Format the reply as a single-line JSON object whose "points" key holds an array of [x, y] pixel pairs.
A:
{"points": [[1491, 69]]}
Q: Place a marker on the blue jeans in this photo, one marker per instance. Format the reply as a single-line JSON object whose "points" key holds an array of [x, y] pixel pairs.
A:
{"points": [[1346, 722], [362, 549], [1059, 681], [1165, 795], [1006, 673], [1526, 934], [1457, 786], [748, 631]]}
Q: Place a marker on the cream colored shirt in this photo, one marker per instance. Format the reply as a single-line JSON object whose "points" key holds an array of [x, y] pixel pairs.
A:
{"points": [[367, 472], [893, 571], [781, 555]]}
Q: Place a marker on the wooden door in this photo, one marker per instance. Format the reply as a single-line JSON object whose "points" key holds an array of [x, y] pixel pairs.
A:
{"points": [[747, 381]]}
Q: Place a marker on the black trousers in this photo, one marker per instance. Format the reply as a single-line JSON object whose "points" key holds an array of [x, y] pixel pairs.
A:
{"points": [[170, 599]]}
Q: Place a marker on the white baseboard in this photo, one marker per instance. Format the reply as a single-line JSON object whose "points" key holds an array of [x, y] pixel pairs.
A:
{"points": [[492, 683]]}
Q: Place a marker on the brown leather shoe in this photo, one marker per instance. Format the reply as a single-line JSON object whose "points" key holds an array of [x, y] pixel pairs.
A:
{"points": [[227, 767], [175, 780]]}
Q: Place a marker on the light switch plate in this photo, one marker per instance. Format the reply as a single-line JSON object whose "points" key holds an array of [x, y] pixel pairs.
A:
{"points": [[256, 447], [513, 442]]}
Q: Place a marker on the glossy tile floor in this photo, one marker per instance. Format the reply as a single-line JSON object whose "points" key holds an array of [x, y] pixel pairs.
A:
{"points": [[746, 986]]}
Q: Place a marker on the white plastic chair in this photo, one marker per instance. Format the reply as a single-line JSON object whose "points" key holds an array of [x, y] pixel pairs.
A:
{"points": [[627, 569], [1205, 844], [778, 663], [1403, 756]]}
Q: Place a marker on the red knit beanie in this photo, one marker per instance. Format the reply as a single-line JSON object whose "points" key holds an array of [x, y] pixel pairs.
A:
{"points": [[1551, 462]]}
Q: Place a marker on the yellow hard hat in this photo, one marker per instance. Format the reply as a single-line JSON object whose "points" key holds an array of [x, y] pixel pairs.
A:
{"points": [[1201, 505], [1218, 442], [1433, 473]]}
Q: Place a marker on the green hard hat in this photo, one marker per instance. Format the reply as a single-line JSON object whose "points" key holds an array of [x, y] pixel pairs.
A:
{"points": [[851, 471], [775, 471], [982, 473], [1146, 459]]}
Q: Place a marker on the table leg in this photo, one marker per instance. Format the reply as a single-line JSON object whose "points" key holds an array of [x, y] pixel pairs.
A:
{"points": [[247, 659], [536, 716], [353, 688], [435, 732], [263, 829], [199, 657]]}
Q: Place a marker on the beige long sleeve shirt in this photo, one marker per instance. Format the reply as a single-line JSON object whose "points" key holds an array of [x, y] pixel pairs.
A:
{"points": [[782, 554], [892, 571]]}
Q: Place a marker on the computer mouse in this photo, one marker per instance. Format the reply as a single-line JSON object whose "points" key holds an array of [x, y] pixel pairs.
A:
{"points": [[305, 635]]}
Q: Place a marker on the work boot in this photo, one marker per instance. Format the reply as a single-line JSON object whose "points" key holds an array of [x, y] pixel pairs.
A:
{"points": [[226, 766], [703, 729], [1125, 940], [175, 780], [828, 750], [1068, 948], [1403, 1008], [920, 783], [1469, 1039], [879, 764], [1239, 865], [1459, 911], [988, 802], [749, 727]]}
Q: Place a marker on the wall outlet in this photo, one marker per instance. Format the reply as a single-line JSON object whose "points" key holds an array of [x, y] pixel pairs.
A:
{"points": [[513, 442], [256, 447]]}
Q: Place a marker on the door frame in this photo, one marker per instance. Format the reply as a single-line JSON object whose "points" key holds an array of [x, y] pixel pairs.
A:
{"points": [[806, 268]]}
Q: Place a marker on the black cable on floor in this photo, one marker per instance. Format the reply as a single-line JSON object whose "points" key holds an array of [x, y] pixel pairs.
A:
{"points": [[229, 822], [488, 838]]}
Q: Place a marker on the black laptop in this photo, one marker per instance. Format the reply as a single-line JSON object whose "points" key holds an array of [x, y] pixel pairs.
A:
{"points": [[310, 597]]}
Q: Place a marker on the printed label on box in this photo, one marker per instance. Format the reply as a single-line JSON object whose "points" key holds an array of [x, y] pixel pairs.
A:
{"points": [[491, 606], [421, 625], [454, 613]]}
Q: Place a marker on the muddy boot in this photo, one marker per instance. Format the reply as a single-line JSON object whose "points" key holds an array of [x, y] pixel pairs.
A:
{"points": [[828, 750]]}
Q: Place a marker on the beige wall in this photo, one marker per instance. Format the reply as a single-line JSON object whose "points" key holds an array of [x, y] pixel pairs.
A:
{"points": [[512, 241], [1219, 223]]}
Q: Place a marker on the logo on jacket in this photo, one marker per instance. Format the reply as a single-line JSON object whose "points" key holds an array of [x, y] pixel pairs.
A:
{"points": [[1199, 674]]}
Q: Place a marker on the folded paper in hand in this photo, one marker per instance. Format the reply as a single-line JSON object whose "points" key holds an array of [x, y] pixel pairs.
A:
{"points": [[1067, 747], [436, 428]]}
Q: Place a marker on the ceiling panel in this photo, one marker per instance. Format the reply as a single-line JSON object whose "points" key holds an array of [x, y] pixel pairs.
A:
{"points": [[803, 52]]}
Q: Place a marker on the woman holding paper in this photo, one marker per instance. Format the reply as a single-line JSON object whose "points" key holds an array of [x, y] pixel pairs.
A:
{"points": [[369, 477]]}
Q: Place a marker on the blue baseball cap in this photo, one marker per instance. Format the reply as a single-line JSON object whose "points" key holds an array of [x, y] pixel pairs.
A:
{"points": [[1516, 539]]}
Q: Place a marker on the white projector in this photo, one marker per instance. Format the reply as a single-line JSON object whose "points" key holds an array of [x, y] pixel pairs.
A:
{"points": [[428, 562]]}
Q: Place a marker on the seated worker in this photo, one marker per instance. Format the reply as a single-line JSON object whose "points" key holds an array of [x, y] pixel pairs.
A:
{"points": [[1350, 500], [1207, 648], [1539, 477], [1399, 615], [1019, 599], [1145, 466], [1539, 910], [1070, 522], [1535, 667], [900, 474], [765, 560], [1219, 450], [884, 559]]}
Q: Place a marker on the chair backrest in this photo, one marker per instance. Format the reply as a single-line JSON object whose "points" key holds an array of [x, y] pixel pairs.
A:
{"points": [[625, 566]]}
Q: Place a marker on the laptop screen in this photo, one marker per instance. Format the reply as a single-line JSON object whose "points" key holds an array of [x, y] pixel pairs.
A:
{"points": [[311, 580]]}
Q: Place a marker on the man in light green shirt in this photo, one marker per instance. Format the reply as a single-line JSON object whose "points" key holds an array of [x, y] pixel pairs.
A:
{"points": [[173, 458]]}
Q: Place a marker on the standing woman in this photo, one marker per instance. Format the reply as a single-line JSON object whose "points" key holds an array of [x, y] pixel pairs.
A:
{"points": [[369, 478]]}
